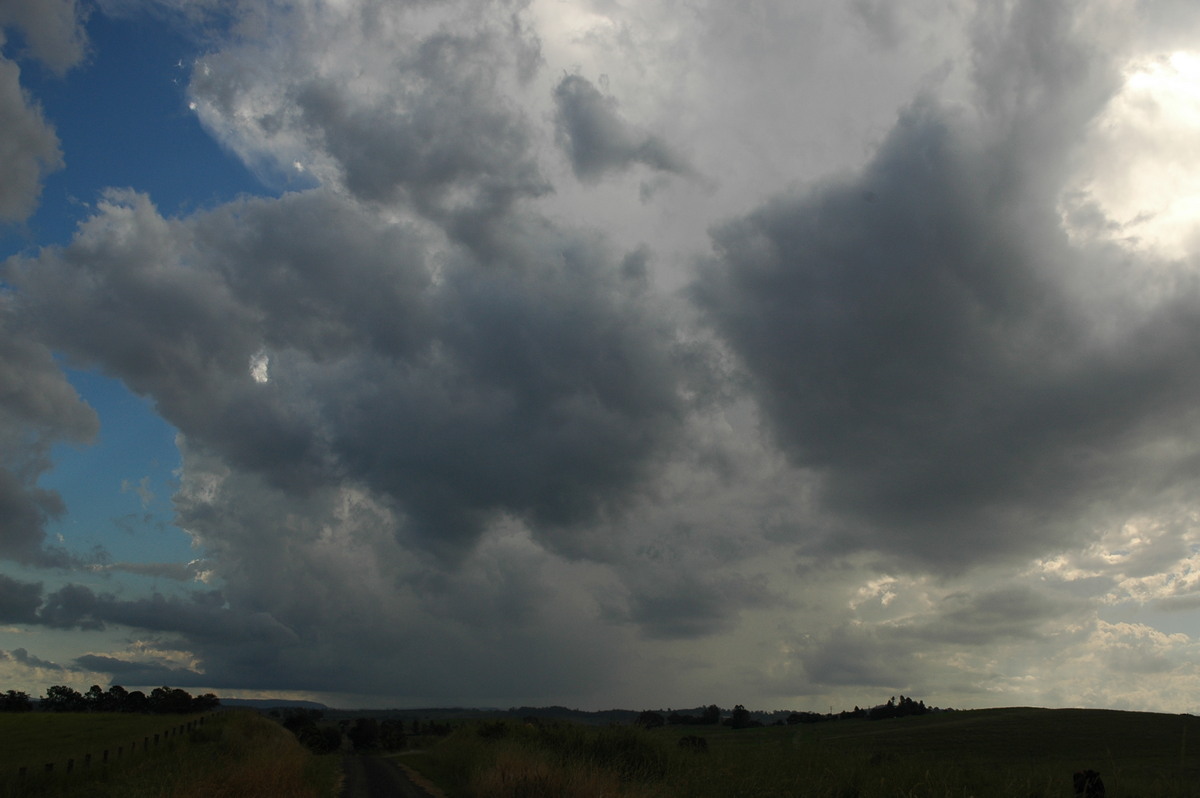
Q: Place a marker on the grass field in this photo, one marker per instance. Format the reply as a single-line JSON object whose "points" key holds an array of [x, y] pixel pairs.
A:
{"points": [[1027, 753], [33, 739], [238, 754]]}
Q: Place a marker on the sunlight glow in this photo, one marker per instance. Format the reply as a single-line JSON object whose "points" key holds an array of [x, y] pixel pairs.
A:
{"points": [[259, 367], [1139, 181]]}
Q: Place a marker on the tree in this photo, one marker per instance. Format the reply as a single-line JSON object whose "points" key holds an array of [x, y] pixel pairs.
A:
{"points": [[15, 701], [711, 715], [60, 698], [391, 735], [96, 700], [741, 719], [364, 734], [118, 697], [650, 719], [136, 701], [168, 700]]}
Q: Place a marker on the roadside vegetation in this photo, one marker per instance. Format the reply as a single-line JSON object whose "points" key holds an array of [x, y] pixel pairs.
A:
{"points": [[1002, 753], [234, 754]]}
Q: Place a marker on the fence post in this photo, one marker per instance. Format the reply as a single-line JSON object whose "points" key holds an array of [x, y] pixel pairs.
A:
{"points": [[87, 760], [70, 765]]}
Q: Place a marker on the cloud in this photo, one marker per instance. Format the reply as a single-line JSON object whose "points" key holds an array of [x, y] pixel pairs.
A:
{"points": [[440, 407], [29, 149], [540, 383], [22, 657], [598, 141], [426, 124], [38, 409], [920, 334], [138, 672], [19, 601], [194, 571], [53, 30]]}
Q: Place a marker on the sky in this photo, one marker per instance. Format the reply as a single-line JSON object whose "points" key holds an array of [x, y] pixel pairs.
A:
{"points": [[602, 353]]}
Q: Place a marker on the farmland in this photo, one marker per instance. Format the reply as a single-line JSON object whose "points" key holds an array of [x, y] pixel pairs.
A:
{"points": [[1001, 753], [232, 753], [996, 753]]}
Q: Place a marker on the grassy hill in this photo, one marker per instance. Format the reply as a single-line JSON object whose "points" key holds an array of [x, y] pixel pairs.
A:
{"points": [[238, 754], [1030, 753]]}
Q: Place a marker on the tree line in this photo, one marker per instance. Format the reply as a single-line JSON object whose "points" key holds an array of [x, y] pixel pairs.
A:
{"points": [[60, 698], [741, 718]]}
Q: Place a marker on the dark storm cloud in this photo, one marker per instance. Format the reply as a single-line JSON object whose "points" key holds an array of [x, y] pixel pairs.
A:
{"points": [[540, 383], [138, 672], [23, 657], [19, 601], [598, 140], [72, 607], [200, 616], [691, 606], [911, 335]]}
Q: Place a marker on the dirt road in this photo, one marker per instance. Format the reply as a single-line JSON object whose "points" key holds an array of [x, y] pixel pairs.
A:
{"points": [[369, 776]]}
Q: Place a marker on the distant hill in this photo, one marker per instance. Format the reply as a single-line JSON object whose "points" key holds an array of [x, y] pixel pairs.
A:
{"points": [[271, 703]]}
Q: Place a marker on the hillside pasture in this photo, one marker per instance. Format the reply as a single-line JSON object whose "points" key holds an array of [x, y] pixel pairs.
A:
{"points": [[1001, 753], [34, 739], [233, 753]]}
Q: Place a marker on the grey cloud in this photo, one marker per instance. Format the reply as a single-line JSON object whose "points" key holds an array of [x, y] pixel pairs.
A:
{"points": [[991, 617], [38, 408], [19, 601], [201, 616], [858, 657], [53, 29], [1137, 661], [140, 673], [72, 607], [539, 383], [441, 139], [183, 572], [598, 140], [450, 133], [691, 606], [28, 150], [23, 657], [913, 333], [329, 566]]}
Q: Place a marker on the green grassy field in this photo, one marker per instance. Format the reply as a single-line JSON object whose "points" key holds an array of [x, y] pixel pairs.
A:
{"points": [[1004, 753], [33, 739], [235, 754]]}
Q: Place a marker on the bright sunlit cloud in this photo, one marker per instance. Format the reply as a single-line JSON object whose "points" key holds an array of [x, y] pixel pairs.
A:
{"points": [[1141, 164]]}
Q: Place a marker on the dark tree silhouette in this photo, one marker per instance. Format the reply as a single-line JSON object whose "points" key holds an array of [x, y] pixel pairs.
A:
{"points": [[650, 719], [60, 698], [15, 701]]}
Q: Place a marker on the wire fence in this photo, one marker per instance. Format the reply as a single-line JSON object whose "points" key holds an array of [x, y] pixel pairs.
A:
{"points": [[34, 776]]}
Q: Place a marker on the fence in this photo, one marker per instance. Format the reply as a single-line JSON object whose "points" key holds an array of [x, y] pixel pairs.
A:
{"points": [[16, 781]]}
